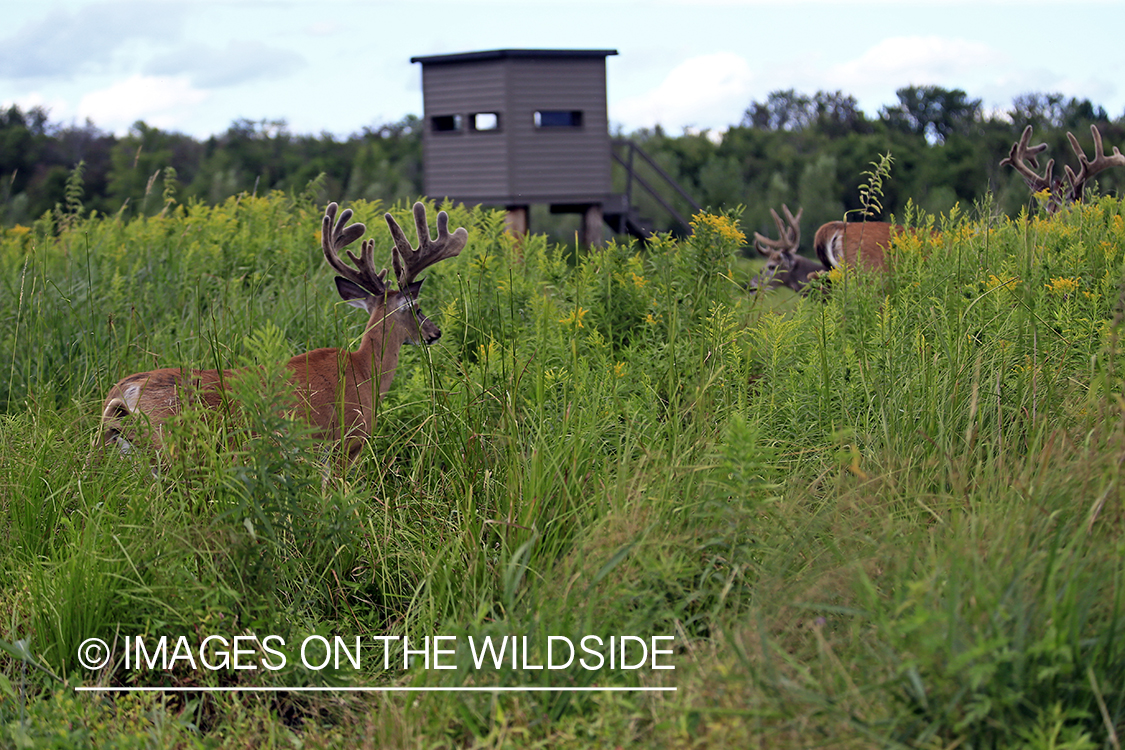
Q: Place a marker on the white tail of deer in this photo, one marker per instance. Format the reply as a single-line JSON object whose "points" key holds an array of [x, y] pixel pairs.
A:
{"points": [[784, 267], [1021, 158], [334, 389]]}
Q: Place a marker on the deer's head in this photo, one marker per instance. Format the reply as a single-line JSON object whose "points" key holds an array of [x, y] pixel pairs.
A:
{"points": [[367, 289], [784, 267]]}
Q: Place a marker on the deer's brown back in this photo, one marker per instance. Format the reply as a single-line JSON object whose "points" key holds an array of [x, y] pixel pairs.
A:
{"points": [[854, 243]]}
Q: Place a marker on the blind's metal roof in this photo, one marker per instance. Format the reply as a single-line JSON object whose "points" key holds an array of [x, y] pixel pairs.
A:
{"points": [[498, 54]]}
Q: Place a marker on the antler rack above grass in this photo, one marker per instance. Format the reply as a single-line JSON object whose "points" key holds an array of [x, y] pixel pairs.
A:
{"points": [[1022, 158]]}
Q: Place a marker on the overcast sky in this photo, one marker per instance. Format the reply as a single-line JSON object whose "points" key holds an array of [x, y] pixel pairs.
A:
{"points": [[336, 66]]}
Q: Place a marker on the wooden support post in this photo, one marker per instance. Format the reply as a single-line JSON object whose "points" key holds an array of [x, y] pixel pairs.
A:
{"points": [[516, 220], [592, 222]]}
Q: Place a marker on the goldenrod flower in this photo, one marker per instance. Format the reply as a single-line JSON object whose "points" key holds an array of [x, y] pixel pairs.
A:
{"points": [[1009, 281], [723, 226], [1062, 285], [487, 351], [575, 317]]}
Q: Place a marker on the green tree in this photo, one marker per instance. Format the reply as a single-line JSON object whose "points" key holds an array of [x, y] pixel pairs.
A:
{"points": [[838, 114], [387, 162], [138, 159], [933, 112], [818, 193], [782, 110], [1055, 111], [23, 141]]}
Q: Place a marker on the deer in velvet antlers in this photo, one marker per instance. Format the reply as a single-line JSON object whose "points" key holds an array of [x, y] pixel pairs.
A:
{"points": [[1022, 155], [784, 267], [836, 243], [335, 390]]}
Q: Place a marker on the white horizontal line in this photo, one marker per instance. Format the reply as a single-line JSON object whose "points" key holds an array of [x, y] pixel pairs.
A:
{"points": [[527, 689]]}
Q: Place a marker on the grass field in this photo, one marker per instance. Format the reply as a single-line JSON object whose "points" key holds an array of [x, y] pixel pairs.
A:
{"points": [[891, 517]]}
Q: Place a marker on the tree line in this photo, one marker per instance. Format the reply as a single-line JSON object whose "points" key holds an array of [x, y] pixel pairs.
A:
{"points": [[803, 150], [131, 174], [815, 152]]}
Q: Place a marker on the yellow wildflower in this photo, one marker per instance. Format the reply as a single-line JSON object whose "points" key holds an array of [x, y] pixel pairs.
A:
{"points": [[907, 242], [723, 226], [575, 317], [1062, 285], [1009, 281], [619, 370], [487, 351]]}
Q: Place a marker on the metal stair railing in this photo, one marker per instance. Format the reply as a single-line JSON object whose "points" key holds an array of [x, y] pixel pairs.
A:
{"points": [[632, 176]]}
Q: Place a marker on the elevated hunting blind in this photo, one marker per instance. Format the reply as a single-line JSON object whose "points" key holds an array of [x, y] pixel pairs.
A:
{"points": [[516, 127]]}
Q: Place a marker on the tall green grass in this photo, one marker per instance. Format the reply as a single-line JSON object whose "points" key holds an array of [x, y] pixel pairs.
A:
{"points": [[890, 515]]}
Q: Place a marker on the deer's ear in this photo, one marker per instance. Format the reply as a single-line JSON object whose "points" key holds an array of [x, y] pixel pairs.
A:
{"points": [[353, 293], [412, 290]]}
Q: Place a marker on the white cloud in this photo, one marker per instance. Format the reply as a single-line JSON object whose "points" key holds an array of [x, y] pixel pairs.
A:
{"points": [[709, 91], [896, 62], [161, 101], [240, 62], [57, 108], [904, 60], [713, 90], [65, 43], [325, 28]]}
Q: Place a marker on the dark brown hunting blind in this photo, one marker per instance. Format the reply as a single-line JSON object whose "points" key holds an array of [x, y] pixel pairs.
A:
{"points": [[516, 127]]}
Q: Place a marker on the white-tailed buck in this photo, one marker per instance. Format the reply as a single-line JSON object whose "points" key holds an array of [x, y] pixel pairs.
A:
{"points": [[784, 267], [1021, 158], [854, 243], [837, 243], [334, 389]]}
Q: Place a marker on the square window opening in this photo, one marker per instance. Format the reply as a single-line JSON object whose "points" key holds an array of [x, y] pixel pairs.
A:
{"points": [[445, 123], [485, 121], [558, 118]]}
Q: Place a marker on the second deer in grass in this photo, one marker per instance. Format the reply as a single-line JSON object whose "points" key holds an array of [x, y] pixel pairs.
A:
{"points": [[784, 267], [837, 243], [1022, 155], [334, 389]]}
